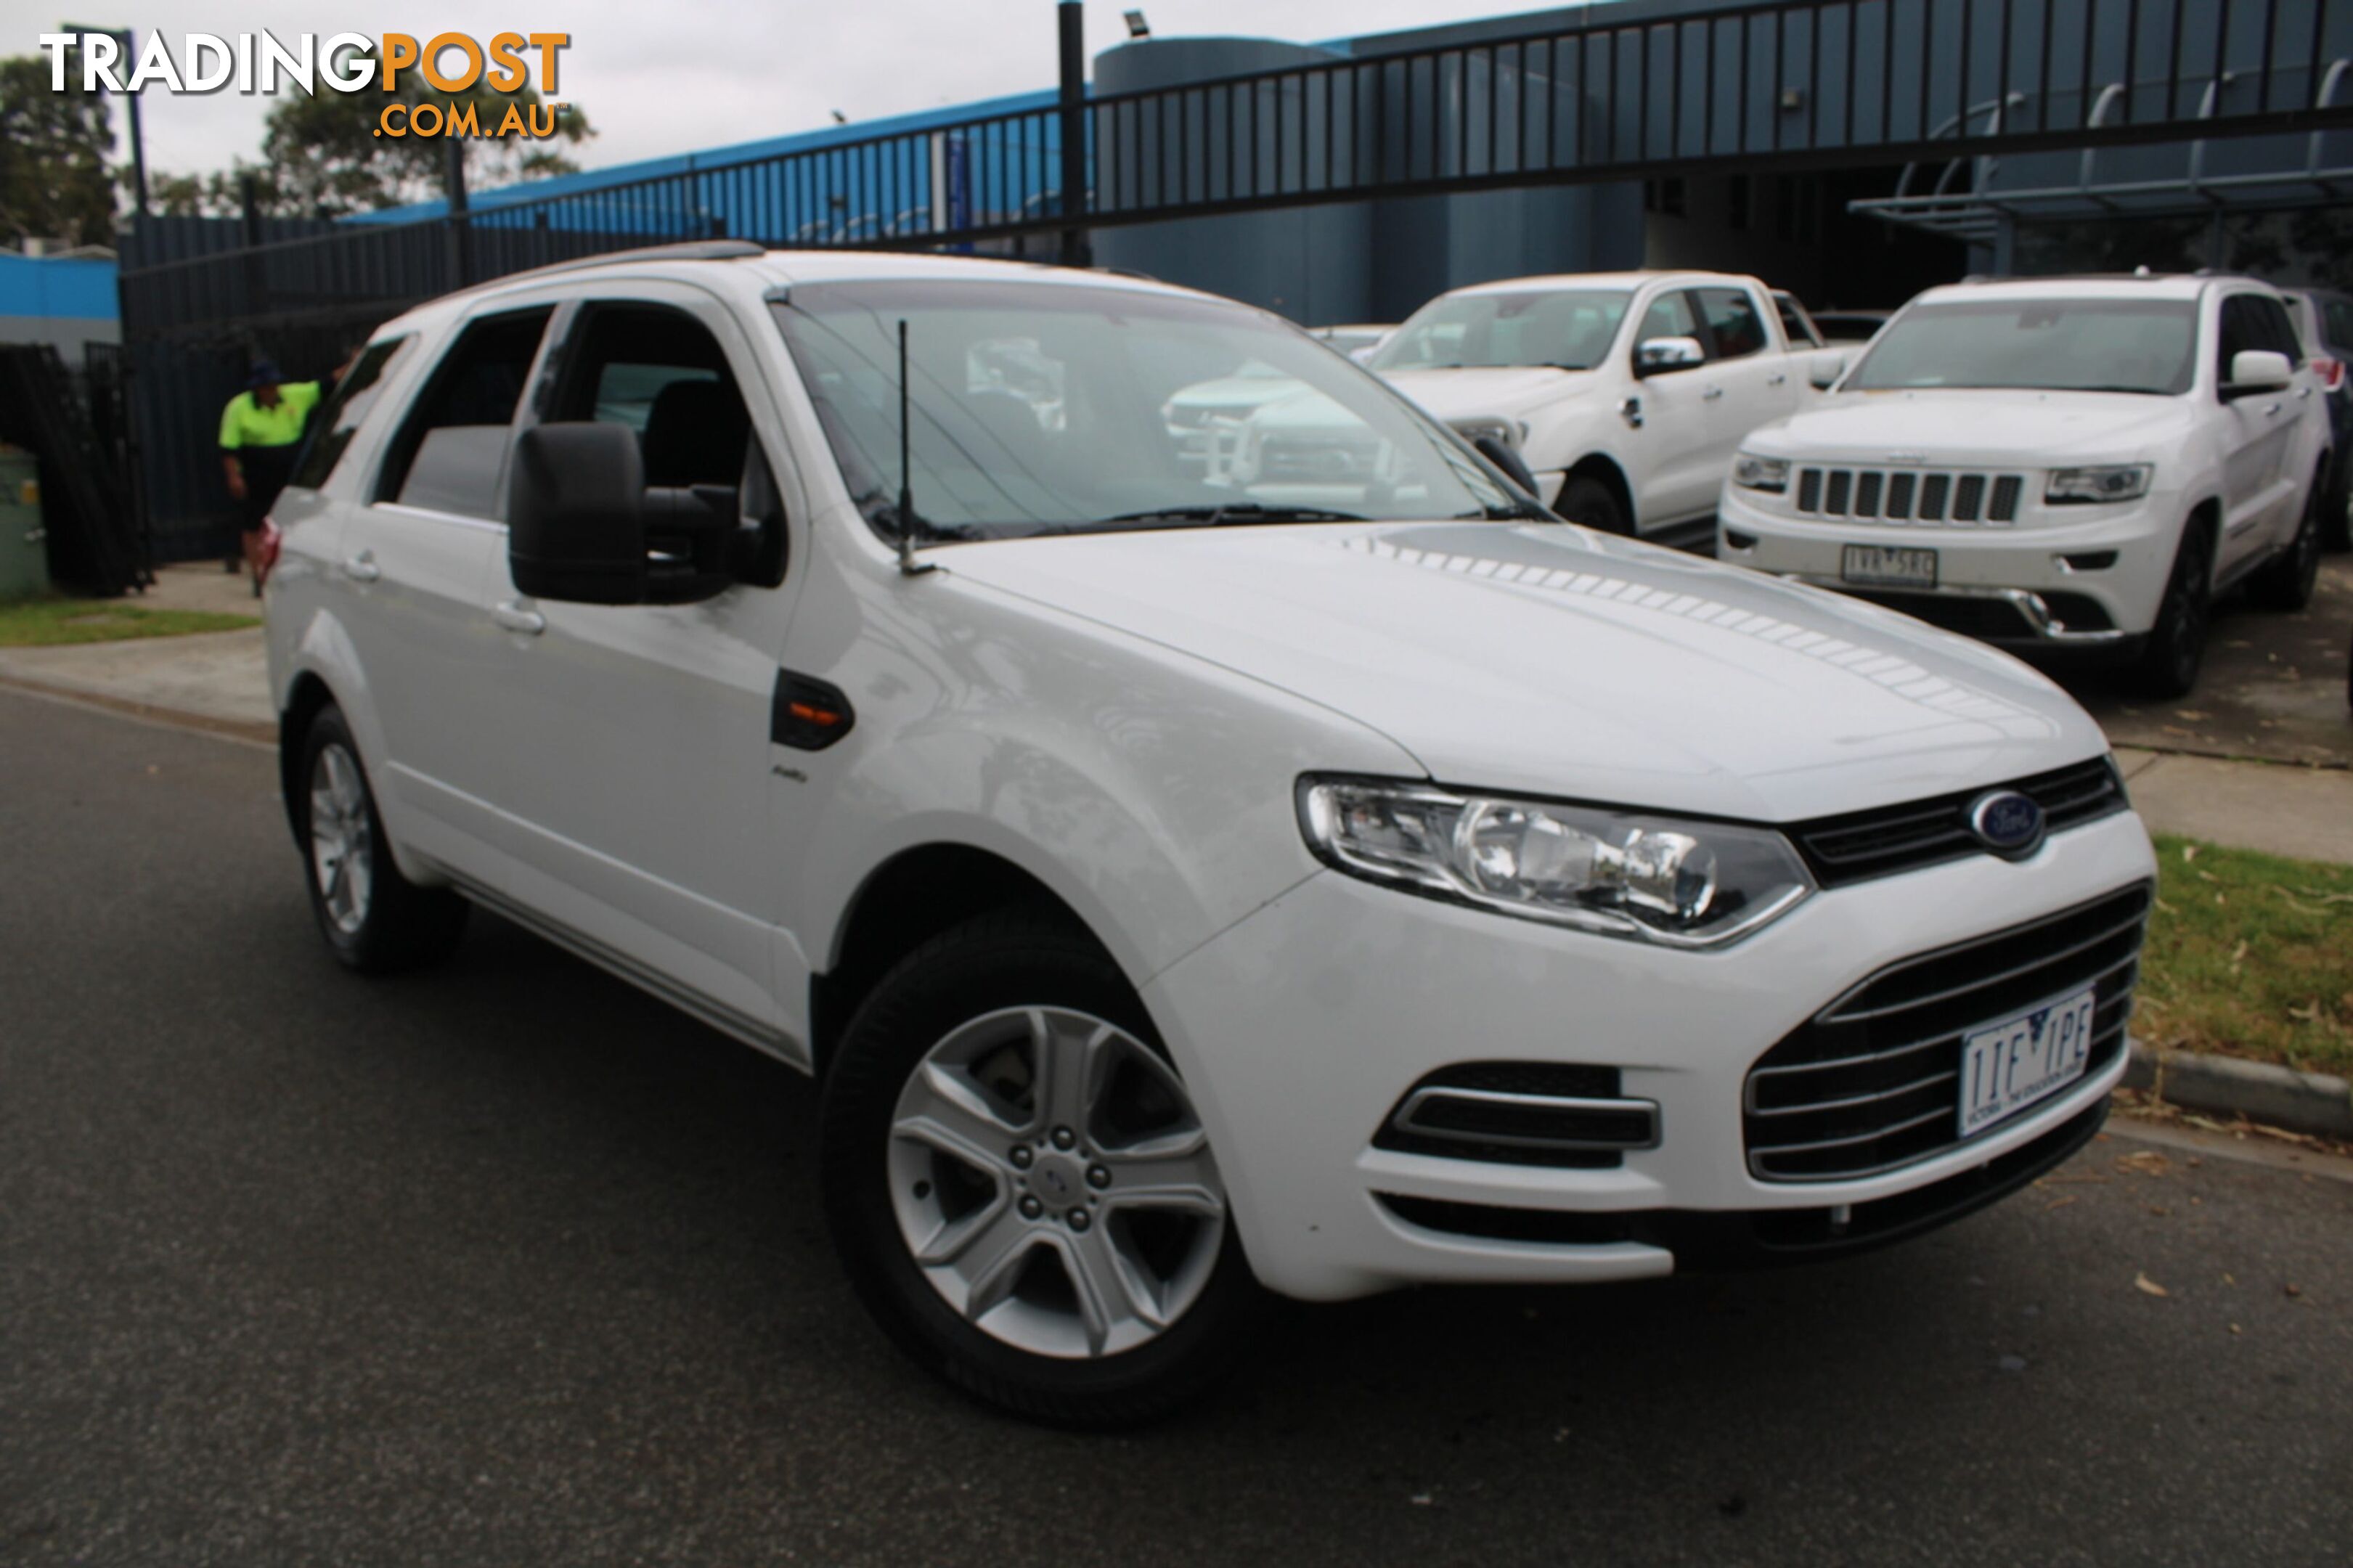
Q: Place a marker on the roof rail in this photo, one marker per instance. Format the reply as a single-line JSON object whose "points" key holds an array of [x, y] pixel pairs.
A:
{"points": [[685, 250]]}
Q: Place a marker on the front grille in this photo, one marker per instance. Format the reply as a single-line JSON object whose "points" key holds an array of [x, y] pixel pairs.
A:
{"points": [[1873, 495], [1521, 1113], [1859, 844], [1873, 1081]]}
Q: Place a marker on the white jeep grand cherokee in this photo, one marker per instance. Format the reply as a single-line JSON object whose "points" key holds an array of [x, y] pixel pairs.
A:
{"points": [[1183, 890], [2055, 465]]}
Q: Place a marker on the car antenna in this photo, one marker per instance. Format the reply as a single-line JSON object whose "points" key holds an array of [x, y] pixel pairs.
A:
{"points": [[908, 565]]}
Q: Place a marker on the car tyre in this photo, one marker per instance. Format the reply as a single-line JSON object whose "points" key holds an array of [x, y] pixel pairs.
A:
{"points": [[932, 1096], [1587, 501], [2175, 647], [2337, 511], [375, 921], [2287, 580]]}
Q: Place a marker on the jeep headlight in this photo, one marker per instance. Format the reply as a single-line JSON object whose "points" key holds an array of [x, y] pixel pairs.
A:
{"points": [[2075, 486], [1670, 880], [1751, 473]]}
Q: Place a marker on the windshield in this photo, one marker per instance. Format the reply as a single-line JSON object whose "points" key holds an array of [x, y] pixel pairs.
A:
{"points": [[1048, 408], [1569, 329], [2048, 345]]}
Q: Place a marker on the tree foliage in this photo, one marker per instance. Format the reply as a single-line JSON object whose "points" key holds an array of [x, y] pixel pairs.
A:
{"points": [[321, 156], [54, 146]]}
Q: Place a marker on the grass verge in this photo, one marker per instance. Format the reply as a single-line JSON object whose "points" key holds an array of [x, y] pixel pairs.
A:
{"points": [[2249, 956], [48, 623]]}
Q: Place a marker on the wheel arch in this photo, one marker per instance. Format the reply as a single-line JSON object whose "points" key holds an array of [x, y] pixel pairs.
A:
{"points": [[913, 896], [305, 696]]}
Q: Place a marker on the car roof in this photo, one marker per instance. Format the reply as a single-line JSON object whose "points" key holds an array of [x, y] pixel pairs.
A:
{"points": [[765, 270], [2099, 286], [1634, 279]]}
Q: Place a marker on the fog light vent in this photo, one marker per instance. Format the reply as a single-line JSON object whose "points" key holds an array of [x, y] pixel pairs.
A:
{"points": [[1525, 1113]]}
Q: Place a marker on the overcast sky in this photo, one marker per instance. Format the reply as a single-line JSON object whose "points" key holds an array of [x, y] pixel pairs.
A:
{"points": [[680, 75]]}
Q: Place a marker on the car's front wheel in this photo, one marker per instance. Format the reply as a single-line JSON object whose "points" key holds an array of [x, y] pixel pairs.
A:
{"points": [[1587, 501], [2176, 646], [375, 920], [1020, 1187]]}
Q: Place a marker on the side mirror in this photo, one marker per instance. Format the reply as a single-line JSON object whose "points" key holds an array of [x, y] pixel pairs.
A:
{"points": [[1515, 467], [582, 528], [1656, 356], [2258, 370], [1828, 365]]}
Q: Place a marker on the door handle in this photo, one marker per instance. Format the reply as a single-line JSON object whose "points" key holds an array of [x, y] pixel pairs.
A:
{"points": [[361, 568], [1631, 411], [1778, 378], [1712, 394], [2302, 392], [514, 617], [2271, 408]]}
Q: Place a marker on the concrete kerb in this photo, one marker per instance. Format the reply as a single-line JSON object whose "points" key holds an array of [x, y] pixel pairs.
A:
{"points": [[2312, 1102]]}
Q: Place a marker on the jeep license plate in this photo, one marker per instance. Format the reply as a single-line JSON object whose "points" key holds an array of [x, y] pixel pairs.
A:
{"points": [[1889, 567], [2009, 1067]]}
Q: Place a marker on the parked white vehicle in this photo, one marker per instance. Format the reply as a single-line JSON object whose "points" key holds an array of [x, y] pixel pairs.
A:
{"points": [[1625, 394], [2057, 465], [1180, 891]]}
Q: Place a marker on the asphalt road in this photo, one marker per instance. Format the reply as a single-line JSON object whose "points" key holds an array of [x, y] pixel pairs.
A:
{"points": [[510, 1265]]}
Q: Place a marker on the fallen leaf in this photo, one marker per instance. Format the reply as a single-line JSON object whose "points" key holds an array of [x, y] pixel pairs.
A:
{"points": [[2292, 1289], [2190, 852], [2192, 715], [2147, 1286], [2147, 1162], [2159, 1210], [2061, 1204], [2307, 1014], [2238, 954], [1419, 1499], [2236, 1329]]}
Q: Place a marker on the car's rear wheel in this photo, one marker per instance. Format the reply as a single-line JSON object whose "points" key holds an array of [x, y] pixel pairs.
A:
{"points": [[375, 920], [1020, 1186], [2287, 580], [1587, 501], [2176, 646], [2336, 514]]}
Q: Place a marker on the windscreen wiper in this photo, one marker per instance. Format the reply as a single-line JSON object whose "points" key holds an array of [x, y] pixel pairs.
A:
{"points": [[1231, 512]]}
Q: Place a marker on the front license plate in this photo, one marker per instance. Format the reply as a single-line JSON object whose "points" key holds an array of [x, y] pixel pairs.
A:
{"points": [[1889, 567], [2009, 1067]]}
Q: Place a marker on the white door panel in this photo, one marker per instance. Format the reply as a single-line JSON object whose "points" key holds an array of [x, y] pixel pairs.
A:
{"points": [[413, 580]]}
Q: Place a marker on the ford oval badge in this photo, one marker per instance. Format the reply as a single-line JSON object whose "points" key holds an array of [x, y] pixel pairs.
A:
{"points": [[2007, 823]]}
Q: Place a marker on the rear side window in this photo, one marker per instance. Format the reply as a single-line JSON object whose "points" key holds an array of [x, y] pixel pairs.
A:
{"points": [[333, 427], [1734, 329], [451, 449], [1795, 325], [2279, 328]]}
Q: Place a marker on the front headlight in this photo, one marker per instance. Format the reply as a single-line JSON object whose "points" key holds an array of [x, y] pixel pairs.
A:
{"points": [[2075, 486], [1751, 473], [1618, 873], [1512, 433]]}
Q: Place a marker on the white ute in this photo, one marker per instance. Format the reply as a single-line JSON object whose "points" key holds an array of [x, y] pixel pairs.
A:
{"points": [[2066, 466], [1624, 393], [1186, 885]]}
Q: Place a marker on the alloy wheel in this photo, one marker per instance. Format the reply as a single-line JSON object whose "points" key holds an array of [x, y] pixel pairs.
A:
{"points": [[1053, 1184], [342, 844]]}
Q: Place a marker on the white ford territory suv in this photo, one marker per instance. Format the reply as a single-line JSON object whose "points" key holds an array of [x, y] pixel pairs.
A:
{"points": [[1184, 889], [2056, 465]]}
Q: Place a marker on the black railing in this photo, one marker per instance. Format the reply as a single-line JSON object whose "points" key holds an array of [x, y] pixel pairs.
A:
{"points": [[1787, 84]]}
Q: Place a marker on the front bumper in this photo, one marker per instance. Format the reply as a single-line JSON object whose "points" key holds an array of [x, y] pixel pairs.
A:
{"points": [[2029, 580], [1299, 1028]]}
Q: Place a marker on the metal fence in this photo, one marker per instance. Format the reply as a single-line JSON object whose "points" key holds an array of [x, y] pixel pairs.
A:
{"points": [[1780, 84]]}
